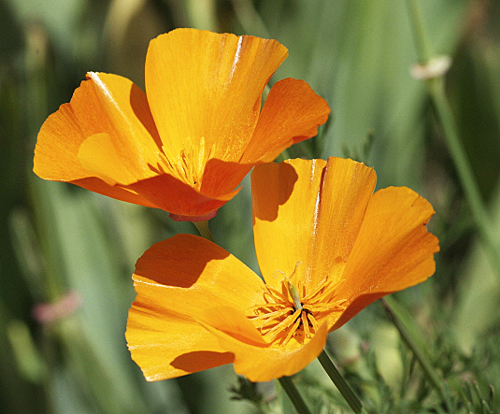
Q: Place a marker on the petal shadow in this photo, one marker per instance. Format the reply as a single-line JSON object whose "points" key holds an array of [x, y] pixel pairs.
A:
{"points": [[178, 261], [277, 180], [201, 360]]}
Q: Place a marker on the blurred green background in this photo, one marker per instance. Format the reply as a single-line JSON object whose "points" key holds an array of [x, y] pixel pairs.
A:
{"points": [[67, 254]]}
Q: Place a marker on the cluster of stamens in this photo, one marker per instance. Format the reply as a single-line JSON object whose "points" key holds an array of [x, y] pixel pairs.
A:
{"points": [[294, 312], [189, 164]]}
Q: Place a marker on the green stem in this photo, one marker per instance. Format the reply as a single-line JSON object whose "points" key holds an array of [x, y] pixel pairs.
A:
{"points": [[293, 394], [340, 383], [249, 18], [417, 27], [417, 350], [464, 170], [203, 229], [462, 164], [202, 14]]}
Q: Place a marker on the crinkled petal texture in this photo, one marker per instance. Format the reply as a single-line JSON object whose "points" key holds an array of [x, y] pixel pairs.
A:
{"points": [[186, 146], [178, 280], [102, 140], [319, 220], [259, 361], [327, 246], [205, 89], [292, 113], [105, 140], [205, 93], [190, 315]]}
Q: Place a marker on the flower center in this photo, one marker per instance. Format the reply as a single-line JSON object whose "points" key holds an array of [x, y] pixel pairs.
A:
{"points": [[189, 165], [294, 311]]}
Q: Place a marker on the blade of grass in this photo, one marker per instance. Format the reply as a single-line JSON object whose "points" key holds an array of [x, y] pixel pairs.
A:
{"points": [[416, 347], [435, 86]]}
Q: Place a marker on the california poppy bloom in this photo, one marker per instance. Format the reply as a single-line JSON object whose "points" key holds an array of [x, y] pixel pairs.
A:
{"points": [[185, 144], [327, 247]]}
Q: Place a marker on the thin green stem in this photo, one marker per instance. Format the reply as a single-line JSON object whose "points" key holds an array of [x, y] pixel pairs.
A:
{"points": [[340, 383], [462, 164], [203, 229], [417, 27], [202, 14], [417, 350], [293, 394], [464, 170], [249, 18]]}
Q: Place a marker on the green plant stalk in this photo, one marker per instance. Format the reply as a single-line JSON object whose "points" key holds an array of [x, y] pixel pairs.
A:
{"points": [[444, 113], [417, 26], [202, 14], [340, 383], [464, 170], [249, 18], [293, 394], [418, 352], [203, 229]]}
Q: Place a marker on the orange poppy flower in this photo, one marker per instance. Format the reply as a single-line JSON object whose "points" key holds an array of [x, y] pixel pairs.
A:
{"points": [[185, 145], [327, 248]]}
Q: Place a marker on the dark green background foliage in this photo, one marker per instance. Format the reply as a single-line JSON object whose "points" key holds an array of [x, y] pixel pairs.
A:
{"points": [[60, 240]]}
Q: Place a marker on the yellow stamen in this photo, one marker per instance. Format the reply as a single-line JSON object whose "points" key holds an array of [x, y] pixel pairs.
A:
{"points": [[189, 164], [293, 312], [292, 331]]}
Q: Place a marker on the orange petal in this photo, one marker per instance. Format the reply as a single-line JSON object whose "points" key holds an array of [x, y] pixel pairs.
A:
{"points": [[393, 250], [314, 226], [258, 361], [60, 138], [177, 280], [98, 155], [128, 122], [292, 113], [231, 173], [196, 272], [205, 88], [108, 107], [283, 206], [172, 195], [123, 194], [167, 345], [233, 322], [347, 187]]}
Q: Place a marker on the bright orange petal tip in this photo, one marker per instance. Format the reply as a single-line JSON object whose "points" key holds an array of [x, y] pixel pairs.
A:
{"points": [[186, 144], [197, 307], [327, 246], [334, 235]]}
